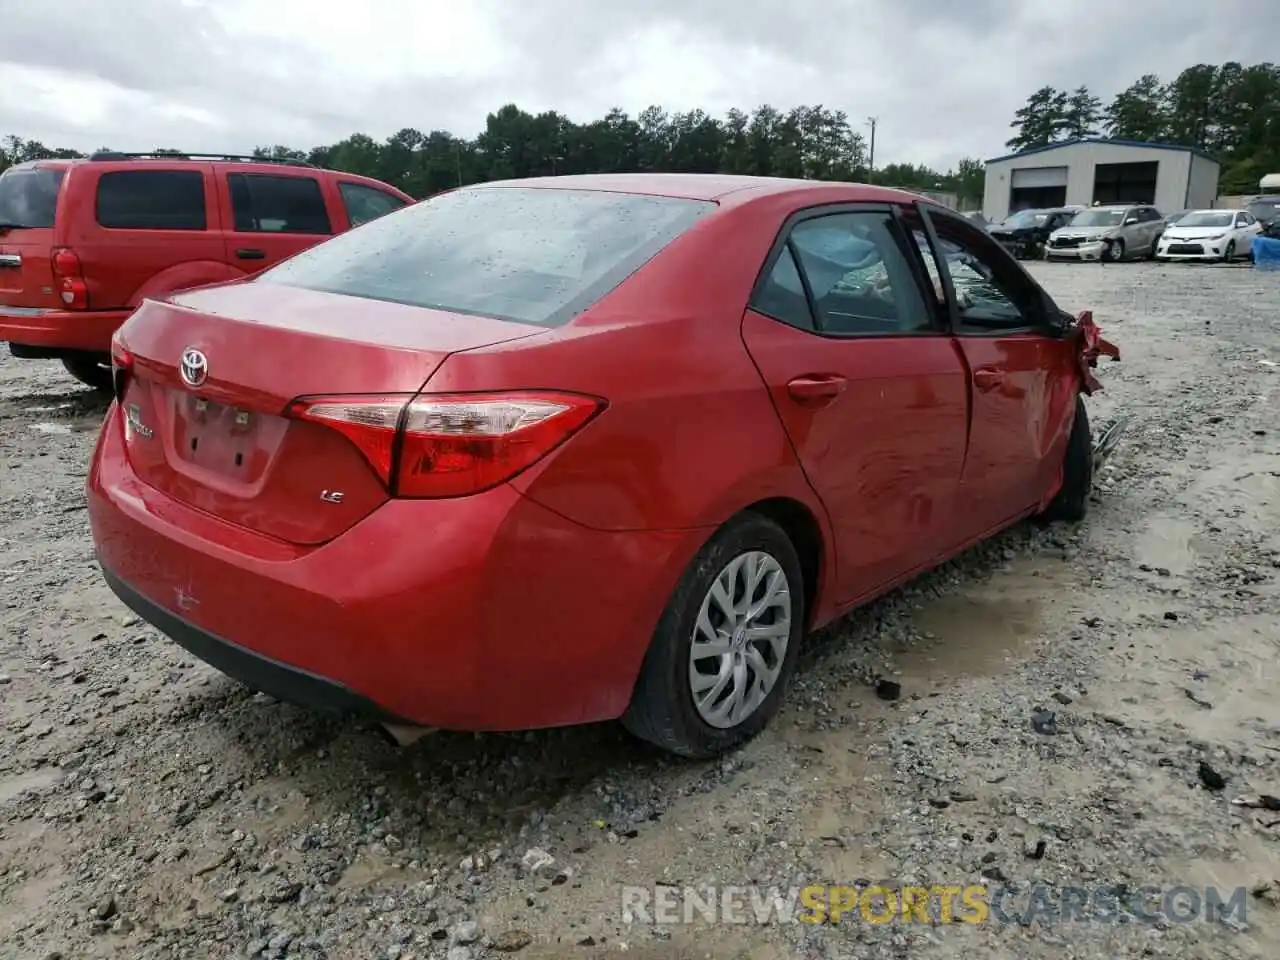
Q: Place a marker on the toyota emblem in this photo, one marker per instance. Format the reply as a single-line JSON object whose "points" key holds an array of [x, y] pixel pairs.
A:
{"points": [[194, 368]]}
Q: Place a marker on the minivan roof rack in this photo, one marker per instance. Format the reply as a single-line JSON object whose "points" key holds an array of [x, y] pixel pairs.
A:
{"points": [[161, 155]]}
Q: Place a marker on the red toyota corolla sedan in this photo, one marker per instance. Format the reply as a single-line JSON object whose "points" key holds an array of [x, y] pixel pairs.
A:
{"points": [[552, 451]]}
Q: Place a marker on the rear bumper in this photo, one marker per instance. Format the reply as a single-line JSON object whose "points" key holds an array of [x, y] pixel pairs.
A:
{"points": [[279, 680], [60, 329], [484, 613]]}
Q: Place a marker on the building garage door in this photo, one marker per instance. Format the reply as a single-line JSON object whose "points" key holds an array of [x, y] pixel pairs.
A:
{"points": [[1037, 187], [1126, 182]]}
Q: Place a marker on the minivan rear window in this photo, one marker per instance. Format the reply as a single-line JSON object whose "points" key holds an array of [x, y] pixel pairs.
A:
{"points": [[29, 197], [531, 255]]}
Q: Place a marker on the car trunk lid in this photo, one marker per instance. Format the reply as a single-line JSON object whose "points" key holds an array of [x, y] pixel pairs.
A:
{"points": [[218, 439], [28, 204]]}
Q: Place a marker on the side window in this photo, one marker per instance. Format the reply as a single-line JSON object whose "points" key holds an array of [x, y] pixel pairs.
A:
{"points": [[151, 200], [1242, 219], [782, 294], [262, 203], [989, 287], [1151, 215], [366, 203], [858, 274]]}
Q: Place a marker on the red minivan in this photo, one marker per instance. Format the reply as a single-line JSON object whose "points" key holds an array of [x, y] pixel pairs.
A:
{"points": [[83, 242]]}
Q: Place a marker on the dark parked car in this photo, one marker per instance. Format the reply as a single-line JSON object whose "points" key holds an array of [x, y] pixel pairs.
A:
{"points": [[1265, 209], [1025, 233]]}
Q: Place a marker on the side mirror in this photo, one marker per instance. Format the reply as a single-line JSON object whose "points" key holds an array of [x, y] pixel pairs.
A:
{"points": [[1131, 220]]}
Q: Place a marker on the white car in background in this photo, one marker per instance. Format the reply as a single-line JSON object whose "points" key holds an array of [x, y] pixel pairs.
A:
{"points": [[1220, 235]]}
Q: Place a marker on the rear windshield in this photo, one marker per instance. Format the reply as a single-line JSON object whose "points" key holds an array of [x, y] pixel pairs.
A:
{"points": [[532, 255], [29, 197]]}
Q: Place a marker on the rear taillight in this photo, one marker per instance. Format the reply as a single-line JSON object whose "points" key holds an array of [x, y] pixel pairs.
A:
{"points": [[69, 274], [121, 364], [451, 445]]}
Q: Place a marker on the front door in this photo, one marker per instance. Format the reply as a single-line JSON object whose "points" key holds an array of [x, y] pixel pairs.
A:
{"points": [[271, 217], [1011, 368], [869, 388]]}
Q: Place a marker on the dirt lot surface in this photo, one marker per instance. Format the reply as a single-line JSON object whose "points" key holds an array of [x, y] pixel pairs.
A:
{"points": [[151, 808]]}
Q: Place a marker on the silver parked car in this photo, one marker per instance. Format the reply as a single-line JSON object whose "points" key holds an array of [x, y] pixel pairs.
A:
{"points": [[1107, 232]]}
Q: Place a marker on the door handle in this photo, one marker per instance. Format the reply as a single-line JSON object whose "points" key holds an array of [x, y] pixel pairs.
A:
{"points": [[245, 253], [987, 379], [816, 389]]}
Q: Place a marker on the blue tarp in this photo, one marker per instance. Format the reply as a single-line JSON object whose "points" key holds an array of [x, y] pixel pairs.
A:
{"points": [[1266, 253]]}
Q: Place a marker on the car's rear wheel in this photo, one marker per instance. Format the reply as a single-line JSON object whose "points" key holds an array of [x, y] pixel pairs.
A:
{"points": [[1072, 501], [725, 647], [91, 370]]}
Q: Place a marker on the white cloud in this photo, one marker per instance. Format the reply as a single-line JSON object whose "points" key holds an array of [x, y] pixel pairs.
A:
{"points": [[943, 78]]}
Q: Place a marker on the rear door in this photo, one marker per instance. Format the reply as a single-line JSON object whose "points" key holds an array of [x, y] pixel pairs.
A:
{"points": [[28, 206], [1012, 367], [869, 388], [1152, 226], [143, 226], [271, 216]]}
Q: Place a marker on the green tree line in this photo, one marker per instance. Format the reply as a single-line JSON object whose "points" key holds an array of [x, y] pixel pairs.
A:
{"points": [[812, 142], [1230, 111]]}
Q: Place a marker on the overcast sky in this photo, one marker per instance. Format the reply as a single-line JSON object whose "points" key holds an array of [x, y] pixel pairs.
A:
{"points": [[942, 76]]}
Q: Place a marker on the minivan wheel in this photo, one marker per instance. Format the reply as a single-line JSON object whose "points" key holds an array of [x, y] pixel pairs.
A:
{"points": [[90, 370], [1072, 501], [725, 647]]}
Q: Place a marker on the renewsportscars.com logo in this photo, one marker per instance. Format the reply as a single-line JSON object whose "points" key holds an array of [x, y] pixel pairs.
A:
{"points": [[969, 903]]}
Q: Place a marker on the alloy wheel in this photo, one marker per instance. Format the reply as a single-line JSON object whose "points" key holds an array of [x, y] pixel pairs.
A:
{"points": [[740, 639]]}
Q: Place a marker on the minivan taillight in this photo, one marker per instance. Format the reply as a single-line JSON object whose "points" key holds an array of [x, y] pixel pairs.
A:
{"points": [[67, 270], [451, 445]]}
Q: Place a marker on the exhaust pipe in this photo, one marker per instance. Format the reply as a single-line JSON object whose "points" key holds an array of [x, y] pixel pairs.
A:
{"points": [[403, 736]]}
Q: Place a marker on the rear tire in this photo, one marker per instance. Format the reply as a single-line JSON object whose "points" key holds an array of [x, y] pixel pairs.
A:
{"points": [[90, 370], [1071, 504], [663, 710]]}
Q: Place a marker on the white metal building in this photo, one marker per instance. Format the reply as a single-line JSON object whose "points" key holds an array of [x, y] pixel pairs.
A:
{"points": [[1085, 172]]}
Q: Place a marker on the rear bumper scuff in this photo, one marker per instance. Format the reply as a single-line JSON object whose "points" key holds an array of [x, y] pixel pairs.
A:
{"points": [[281, 681]]}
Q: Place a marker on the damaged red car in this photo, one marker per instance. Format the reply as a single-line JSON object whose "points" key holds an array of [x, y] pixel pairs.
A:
{"points": [[552, 451]]}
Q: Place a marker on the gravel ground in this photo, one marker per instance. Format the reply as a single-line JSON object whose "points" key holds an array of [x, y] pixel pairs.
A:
{"points": [[151, 808]]}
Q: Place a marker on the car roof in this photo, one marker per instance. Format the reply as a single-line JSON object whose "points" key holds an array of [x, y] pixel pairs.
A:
{"points": [[259, 165], [714, 187]]}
